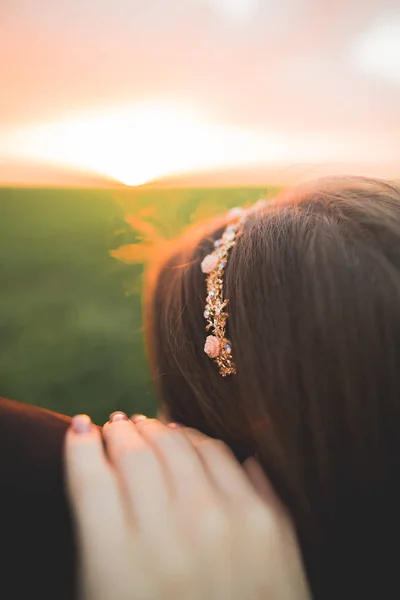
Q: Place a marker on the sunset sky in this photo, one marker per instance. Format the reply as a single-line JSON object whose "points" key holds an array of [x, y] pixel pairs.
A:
{"points": [[132, 91]]}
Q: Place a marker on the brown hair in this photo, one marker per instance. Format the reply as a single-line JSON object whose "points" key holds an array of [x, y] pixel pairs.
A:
{"points": [[314, 319]]}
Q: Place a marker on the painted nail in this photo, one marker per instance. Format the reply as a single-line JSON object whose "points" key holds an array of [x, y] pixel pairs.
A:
{"points": [[175, 425], [118, 415], [138, 418], [81, 424]]}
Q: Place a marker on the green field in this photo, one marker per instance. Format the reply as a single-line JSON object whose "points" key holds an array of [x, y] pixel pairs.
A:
{"points": [[71, 334]]}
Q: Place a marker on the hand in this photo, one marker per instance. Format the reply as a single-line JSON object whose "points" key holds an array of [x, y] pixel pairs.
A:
{"points": [[170, 514]]}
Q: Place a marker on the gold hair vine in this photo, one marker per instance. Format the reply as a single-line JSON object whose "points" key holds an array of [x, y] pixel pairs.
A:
{"points": [[217, 346]]}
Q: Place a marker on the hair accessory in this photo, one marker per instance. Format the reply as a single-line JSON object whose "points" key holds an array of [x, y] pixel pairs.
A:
{"points": [[217, 346]]}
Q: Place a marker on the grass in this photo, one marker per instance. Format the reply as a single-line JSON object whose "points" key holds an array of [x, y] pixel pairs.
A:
{"points": [[71, 335]]}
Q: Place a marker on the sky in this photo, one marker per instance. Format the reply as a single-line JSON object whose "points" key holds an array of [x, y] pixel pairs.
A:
{"points": [[132, 91]]}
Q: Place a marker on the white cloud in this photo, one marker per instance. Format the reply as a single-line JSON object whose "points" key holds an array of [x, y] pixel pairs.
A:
{"points": [[236, 10], [377, 50]]}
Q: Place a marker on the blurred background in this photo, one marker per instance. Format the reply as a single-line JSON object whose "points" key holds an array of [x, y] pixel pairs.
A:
{"points": [[160, 112]]}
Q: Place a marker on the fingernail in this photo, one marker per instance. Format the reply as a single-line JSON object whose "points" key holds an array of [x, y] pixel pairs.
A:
{"points": [[138, 418], [81, 424], [118, 415], [175, 425]]}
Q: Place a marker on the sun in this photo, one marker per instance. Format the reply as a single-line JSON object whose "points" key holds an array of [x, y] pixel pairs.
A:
{"points": [[135, 145], [140, 143]]}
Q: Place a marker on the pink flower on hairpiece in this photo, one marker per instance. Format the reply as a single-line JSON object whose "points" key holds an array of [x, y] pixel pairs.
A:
{"points": [[212, 347], [210, 262]]}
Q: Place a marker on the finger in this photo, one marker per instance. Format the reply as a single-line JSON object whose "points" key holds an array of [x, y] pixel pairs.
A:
{"points": [[91, 486], [189, 480], [279, 522], [140, 471], [262, 485], [224, 469]]}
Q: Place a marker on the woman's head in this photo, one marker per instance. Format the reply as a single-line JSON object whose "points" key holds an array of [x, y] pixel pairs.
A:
{"points": [[314, 319]]}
